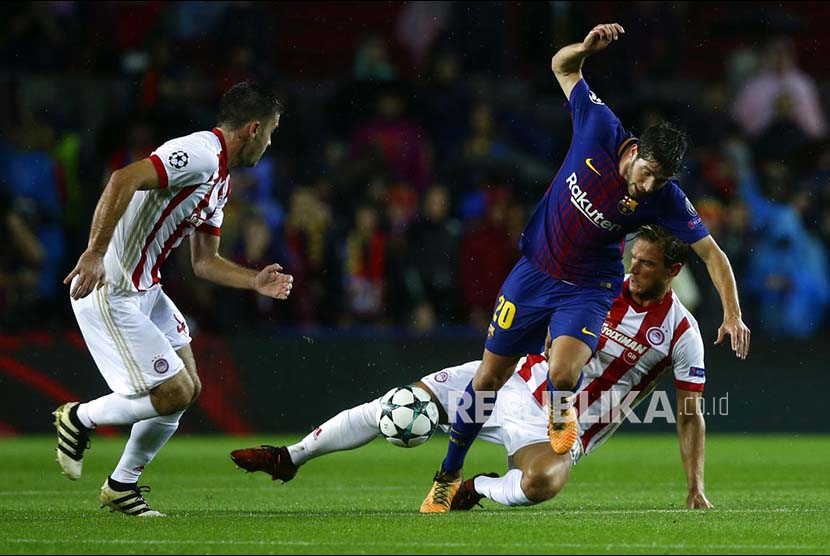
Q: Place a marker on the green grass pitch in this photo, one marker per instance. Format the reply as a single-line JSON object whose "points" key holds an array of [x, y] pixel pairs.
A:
{"points": [[771, 496]]}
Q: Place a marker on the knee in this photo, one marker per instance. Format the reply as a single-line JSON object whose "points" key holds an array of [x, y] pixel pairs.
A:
{"points": [[539, 487], [488, 381], [564, 375], [197, 389], [173, 396], [177, 401], [492, 377], [563, 382]]}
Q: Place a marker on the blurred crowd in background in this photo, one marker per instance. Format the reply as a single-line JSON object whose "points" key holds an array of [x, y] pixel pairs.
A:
{"points": [[416, 140]]}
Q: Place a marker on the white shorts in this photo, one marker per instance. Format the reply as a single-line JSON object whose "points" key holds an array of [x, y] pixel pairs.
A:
{"points": [[517, 419], [132, 336]]}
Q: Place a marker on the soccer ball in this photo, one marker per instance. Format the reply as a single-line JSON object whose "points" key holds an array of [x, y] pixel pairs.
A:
{"points": [[408, 416]]}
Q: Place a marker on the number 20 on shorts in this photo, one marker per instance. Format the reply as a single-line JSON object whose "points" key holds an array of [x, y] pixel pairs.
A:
{"points": [[504, 313]]}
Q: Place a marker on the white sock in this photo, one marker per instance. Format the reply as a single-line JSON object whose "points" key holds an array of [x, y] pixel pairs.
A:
{"points": [[505, 490], [146, 439], [115, 409], [347, 430]]}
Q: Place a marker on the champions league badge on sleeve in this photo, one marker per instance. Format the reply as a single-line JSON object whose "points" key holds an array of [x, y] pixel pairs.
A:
{"points": [[178, 159]]}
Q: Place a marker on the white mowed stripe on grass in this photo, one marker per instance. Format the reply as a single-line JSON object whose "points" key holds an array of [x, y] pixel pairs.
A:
{"points": [[534, 544]]}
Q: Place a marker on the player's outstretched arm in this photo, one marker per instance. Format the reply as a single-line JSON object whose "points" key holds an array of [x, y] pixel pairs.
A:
{"points": [[691, 431], [717, 263], [114, 200], [208, 264], [567, 62]]}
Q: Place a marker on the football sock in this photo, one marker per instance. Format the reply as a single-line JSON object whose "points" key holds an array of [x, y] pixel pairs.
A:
{"points": [[466, 425], [146, 439], [348, 429], [75, 420], [505, 490], [119, 486], [554, 393], [115, 409]]}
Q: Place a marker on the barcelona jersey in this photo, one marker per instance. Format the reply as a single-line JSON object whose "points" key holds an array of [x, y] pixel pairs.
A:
{"points": [[577, 231]]}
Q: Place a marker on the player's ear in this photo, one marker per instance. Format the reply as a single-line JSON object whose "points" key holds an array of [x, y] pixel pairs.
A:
{"points": [[253, 128], [675, 269]]}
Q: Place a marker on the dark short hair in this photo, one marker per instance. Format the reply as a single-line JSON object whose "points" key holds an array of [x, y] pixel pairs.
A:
{"points": [[664, 144], [247, 101], [673, 249]]}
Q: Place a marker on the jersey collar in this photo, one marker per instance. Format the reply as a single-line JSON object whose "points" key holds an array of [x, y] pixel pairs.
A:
{"points": [[223, 155], [626, 294]]}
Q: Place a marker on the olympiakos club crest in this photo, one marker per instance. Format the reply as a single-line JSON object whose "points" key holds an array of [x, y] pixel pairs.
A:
{"points": [[655, 336], [627, 206], [161, 366]]}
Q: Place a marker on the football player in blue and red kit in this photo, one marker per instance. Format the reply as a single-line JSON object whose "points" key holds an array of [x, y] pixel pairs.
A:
{"points": [[571, 266]]}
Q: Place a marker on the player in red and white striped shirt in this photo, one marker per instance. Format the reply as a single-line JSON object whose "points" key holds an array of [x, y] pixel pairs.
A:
{"points": [[647, 333], [136, 335]]}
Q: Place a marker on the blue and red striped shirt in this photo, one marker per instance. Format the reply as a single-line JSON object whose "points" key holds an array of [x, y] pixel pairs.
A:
{"points": [[577, 231]]}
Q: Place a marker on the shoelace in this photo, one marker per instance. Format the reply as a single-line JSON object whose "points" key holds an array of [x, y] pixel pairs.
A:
{"points": [[133, 501], [136, 494], [441, 493], [559, 424], [139, 495]]}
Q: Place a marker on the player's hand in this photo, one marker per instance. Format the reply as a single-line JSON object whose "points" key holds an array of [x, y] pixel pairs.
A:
{"points": [[697, 501], [601, 36], [739, 333], [90, 272], [272, 283]]}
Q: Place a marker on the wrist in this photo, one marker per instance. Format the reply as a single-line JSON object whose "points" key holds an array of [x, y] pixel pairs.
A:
{"points": [[569, 59]]}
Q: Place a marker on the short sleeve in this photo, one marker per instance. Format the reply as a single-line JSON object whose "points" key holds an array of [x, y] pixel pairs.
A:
{"points": [[591, 117], [213, 224], [183, 162], [687, 358], [679, 216]]}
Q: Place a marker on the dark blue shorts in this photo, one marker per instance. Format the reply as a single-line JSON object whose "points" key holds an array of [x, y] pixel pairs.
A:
{"points": [[530, 302]]}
